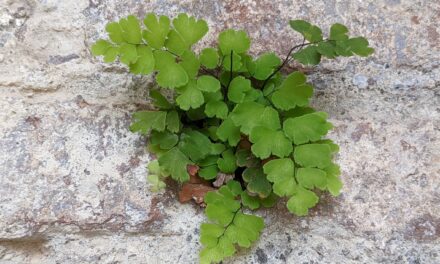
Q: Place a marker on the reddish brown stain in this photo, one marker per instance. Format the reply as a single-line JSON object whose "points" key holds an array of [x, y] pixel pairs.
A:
{"points": [[424, 228], [34, 121], [433, 36], [196, 192], [415, 20], [360, 130]]}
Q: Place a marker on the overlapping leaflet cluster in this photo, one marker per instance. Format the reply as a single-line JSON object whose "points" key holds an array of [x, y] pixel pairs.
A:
{"points": [[234, 114]]}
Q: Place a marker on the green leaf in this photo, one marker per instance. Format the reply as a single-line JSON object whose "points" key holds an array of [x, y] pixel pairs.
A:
{"points": [[159, 100], [265, 65], [240, 90], [211, 131], [215, 249], [313, 155], [114, 32], [338, 32], [221, 205], [128, 53], [190, 96], [105, 48], [217, 109], [236, 62], [145, 61], [190, 29], [228, 162], [294, 91], [208, 83], [175, 43], [209, 160], [245, 229], [252, 202], [227, 131], [234, 187], [333, 146], [250, 114], [256, 182], [269, 201], [281, 173], [195, 145], [229, 227], [213, 96], [246, 159], [219, 244], [308, 56], [173, 121], [144, 121], [100, 47], [156, 175], [171, 74], [334, 184], [111, 54], [301, 201], [209, 58], [360, 46], [163, 59], [217, 148], [343, 49], [298, 111], [165, 140], [311, 177], [209, 172], [196, 114], [131, 30], [267, 142], [309, 127], [156, 183], [232, 40], [157, 30], [310, 32], [327, 49], [190, 63], [175, 162], [156, 150]]}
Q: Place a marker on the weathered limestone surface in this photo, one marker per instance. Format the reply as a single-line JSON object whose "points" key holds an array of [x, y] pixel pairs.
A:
{"points": [[72, 177]]}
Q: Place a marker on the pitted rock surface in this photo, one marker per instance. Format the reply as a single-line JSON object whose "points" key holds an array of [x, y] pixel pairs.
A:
{"points": [[73, 178]]}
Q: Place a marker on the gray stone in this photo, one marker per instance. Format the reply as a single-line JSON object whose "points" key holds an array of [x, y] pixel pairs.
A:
{"points": [[73, 187]]}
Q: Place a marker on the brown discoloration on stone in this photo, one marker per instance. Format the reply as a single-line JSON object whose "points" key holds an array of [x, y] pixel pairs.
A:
{"points": [[433, 36], [425, 228], [34, 121], [81, 102], [155, 215], [415, 20], [134, 162], [406, 146], [360, 130]]}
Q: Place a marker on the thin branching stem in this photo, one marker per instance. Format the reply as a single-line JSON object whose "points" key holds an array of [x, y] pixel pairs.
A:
{"points": [[286, 60], [230, 75]]}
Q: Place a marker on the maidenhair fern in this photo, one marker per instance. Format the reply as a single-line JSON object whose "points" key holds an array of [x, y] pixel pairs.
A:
{"points": [[236, 123]]}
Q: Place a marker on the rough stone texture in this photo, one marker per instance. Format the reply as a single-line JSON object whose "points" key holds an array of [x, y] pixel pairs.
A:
{"points": [[73, 186]]}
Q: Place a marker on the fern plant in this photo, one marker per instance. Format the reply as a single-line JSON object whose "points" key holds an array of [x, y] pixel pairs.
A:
{"points": [[232, 116]]}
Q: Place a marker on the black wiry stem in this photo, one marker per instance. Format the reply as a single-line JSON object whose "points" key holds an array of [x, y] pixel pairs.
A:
{"points": [[286, 60], [230, 76], [230, 223]]}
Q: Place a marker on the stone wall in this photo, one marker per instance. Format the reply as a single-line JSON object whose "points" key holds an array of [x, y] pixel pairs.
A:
{"points": [[72, 177]]}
